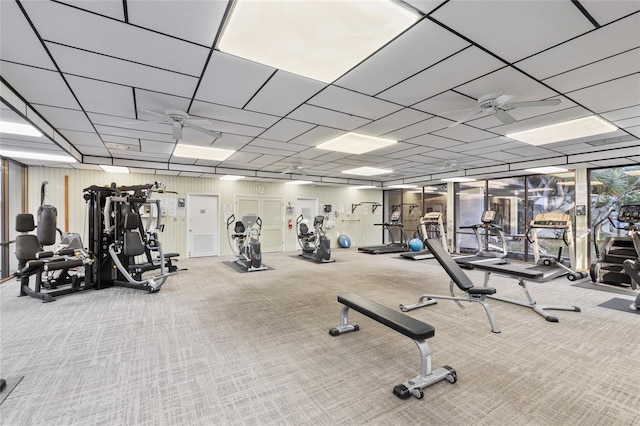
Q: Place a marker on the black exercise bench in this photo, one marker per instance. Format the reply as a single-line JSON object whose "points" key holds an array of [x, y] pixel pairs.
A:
{"points": [[461, 280], [416, 330]]}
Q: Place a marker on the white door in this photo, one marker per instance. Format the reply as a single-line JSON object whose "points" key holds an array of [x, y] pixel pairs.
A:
{"points": [[202, 225], [270, 210], [308, 208]]}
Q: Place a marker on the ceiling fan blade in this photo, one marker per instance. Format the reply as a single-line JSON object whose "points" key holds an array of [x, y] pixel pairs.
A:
{"points": [[503, 117], [203, 130], [157, 114], [549, 102], [177, 130], [471, 116]]}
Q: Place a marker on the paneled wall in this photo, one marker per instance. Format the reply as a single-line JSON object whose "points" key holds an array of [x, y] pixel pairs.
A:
{"points": [[359, 226]]}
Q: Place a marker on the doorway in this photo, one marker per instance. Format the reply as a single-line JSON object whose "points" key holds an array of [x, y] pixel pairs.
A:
{"points": [[270, 210], [202, 225], [308, 208]]}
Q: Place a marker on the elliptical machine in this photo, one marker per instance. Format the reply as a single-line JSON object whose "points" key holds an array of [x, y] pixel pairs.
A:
{"points": [[315, 244], [247, 238]]}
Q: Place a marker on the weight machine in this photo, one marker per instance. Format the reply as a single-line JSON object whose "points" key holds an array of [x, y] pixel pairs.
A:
{"points": [[123, 248]]}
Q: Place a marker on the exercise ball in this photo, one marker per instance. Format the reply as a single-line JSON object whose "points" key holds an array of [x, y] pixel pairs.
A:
{"points": [[344, 241], [415, 244]]}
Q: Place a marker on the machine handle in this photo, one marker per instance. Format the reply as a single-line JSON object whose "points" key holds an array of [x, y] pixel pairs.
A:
{"points": [[231, 219]]}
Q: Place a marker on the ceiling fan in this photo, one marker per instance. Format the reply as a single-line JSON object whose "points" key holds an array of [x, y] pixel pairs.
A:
{"points": [[497, 105], [180, 119], [294, 169]]}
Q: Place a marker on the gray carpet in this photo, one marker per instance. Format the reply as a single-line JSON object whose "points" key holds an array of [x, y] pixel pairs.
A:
{"points": [[215, 347], [604, 287]]}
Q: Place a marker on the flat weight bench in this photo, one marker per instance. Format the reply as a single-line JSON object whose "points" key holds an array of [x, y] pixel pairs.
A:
{"points": [[404, 324]]}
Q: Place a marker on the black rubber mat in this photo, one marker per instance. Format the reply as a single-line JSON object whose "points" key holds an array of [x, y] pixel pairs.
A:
{"points": [[242, 269], [619, 305], [604, 287], [311, 260]]}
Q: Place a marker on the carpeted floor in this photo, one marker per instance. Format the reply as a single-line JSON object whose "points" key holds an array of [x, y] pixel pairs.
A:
{"points": [[215, 347]]}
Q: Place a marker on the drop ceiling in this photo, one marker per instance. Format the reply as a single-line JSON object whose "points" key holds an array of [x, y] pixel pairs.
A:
{"points": [[87, 73]]}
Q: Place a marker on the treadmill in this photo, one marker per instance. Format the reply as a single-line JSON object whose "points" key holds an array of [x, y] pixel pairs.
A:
{"points": [[431, 228], [392, 247], [487, 222]]}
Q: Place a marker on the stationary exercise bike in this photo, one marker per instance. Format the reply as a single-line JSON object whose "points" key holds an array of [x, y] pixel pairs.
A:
{"points": [[247, 247], [315, 244]]}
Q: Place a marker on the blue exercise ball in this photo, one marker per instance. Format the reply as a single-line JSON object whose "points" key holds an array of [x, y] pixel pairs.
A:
{"points": [[344, 241], [415, 244]]}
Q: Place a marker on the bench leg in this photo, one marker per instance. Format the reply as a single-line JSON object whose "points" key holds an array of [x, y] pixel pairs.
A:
{"points": [[531, 303], [427, 376], [344, 326]]}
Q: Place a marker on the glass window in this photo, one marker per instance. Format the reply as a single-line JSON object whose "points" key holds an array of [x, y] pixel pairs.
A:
{"points": [[506, 198], [610, 189], [470, 203], [552, 193]]}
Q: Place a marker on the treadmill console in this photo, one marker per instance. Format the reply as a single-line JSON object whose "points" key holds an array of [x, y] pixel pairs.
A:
{"points": [[488, 216], [551, 220], [629, 213], [432, 217], [395, 216]]}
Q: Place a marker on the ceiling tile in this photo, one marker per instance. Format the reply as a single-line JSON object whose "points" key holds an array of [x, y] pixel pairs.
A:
{"points": [[18, 42], [286, 129], [349, 102], [231, 81], [82, 138], [93, 150], [421, 128], [435, 142], [621, 93], [196, 21], [76, 28], [395, 121], [622, 113], [594, 46], [81, 63], [283, 93], [159, 102], [606, 69], [282, 146], [113, 9], [107, 131], [39, 86], [65, 118], [103, 98], [514, 30], [464, 133], [418, 48], [467, 65], [156, 147], [446, 103], [606, 11], [425, 6], [325, 117], [232, 115]]}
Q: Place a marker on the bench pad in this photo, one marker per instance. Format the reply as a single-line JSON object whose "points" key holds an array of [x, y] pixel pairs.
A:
{"points": [[404, 324]]}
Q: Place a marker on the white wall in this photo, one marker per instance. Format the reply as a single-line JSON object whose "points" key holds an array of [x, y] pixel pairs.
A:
{"points": [[358, 226]]}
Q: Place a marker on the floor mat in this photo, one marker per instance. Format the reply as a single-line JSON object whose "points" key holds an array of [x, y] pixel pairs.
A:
{"points": [[242, 269], [312, 260], [603, 287], [11, 385], [619, 305]]}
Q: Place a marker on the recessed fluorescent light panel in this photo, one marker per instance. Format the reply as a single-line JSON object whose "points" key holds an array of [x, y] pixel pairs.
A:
{"points": [[202, 152], [366, 171], [231, 177], [632, 172], [38, 156], [545, 170], [19, 129], [316, 39], [115, 169], [404, 185], [458, 179], [574, 129], [355, 143], [298, 182]]}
